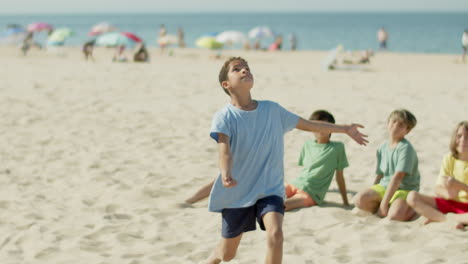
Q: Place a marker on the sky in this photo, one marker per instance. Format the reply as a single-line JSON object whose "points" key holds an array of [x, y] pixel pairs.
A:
{"points": [[183, 6]]}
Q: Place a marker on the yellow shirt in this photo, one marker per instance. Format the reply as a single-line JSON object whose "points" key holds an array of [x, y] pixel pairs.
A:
{"points": [[457, 169]]}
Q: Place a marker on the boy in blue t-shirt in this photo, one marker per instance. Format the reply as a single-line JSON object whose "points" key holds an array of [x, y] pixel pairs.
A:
{"points": [[397, 172], [250, 186], [320, 158]]}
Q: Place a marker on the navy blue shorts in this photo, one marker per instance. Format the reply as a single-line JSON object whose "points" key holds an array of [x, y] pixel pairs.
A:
{"points": [[239, 220]]}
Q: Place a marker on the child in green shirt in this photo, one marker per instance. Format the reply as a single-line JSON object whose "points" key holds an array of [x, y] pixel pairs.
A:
{"points": [[397, 172], [320, 158]]}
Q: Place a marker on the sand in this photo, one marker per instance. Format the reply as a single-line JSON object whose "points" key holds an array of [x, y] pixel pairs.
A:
{"points": [[97, 158]]}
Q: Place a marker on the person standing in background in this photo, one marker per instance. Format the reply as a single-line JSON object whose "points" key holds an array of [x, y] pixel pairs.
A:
{"points": [[162, 33], [382, 37], [464, 43], [180, 37], [293, 41]]}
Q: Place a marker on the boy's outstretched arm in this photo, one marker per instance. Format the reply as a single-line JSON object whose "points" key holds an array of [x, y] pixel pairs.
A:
{"points": [[342, 186], [225, 161], [325, 127]]}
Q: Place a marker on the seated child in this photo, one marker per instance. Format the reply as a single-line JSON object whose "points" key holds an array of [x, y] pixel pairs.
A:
{"points": [[452, 186], [397, 172], [320, 158]]}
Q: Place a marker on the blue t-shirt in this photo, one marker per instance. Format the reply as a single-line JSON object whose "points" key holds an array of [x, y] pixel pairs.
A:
{"points": [[257, 149]]}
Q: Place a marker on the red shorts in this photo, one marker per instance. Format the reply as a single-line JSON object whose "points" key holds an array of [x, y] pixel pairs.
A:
{"points": [[292, 190], [451, 206]]}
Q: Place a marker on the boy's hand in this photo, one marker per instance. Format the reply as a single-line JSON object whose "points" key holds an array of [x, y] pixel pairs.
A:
{"points": [[383, 210], [228, 181], [353, 132]]}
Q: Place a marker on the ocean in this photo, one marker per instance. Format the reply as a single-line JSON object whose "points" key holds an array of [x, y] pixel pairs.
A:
{"points": [[408, 32]]}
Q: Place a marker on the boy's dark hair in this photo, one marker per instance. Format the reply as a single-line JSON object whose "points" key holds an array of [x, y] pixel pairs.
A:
{"points": [[453, 140], [223, 73], [322, 115], [404, 116]]}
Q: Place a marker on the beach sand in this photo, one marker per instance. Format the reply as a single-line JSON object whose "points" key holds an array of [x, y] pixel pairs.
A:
{"points": [[97, 158]]}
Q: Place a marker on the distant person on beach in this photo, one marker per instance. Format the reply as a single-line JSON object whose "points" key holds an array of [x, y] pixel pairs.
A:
{"points": [[257, 45], [351, 60], [382, 38], [27, 43], [464, 43], [320, 158], [277, 44], [293, 41], [140, 53], [359, 57], [250, 186], [119, 55], [452, 185], [180, 37], [87, 49], [397, 172], [162, 33]]}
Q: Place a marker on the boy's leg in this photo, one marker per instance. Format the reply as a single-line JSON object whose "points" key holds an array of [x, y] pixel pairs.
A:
{"points": [[201, 193], [225, 250], [293, 203], [425, 206], [296, 198], [368, 200], [400, 211], [273, 222]]}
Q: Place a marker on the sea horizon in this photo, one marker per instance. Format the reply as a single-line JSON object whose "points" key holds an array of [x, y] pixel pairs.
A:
{"points": [[409, 31]]}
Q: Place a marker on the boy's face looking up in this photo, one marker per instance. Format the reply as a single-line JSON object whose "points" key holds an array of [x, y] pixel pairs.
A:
{"points": [[239, 77], [397, 129]]}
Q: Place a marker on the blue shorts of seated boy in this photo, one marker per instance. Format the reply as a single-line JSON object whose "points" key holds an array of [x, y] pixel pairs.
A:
{"points": [[239, 220]]}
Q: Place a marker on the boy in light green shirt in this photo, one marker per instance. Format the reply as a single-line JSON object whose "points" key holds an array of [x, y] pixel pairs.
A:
{"points": [[320, 159], [397, 172]]}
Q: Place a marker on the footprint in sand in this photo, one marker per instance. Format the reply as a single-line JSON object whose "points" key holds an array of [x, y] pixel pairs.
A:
{"points": [[46, 252], [180, 248]]}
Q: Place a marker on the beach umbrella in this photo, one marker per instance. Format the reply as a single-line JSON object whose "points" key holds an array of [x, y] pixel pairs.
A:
{"points": [[59, 36], [167, 40], [260, 32], [102, 27], [113, 39], [208, 42], [132, 36], [229, 37], [12, 35], [39, 26]]}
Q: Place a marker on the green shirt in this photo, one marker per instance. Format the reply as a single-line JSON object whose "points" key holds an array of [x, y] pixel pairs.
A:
{"points": [[320, 161], [401, 158]]}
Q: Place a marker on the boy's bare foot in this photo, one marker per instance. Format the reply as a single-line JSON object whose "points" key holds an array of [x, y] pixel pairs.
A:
{"points": [[427, 221], [460, 226]]}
